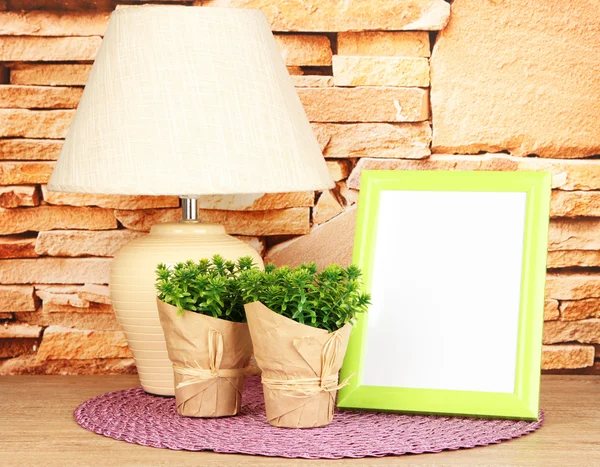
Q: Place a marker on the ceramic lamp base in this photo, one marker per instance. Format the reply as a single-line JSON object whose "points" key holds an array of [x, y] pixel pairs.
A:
{"points": [[132, 278]]}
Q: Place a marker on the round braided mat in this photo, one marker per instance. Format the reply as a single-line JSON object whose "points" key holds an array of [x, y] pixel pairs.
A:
{"points": [[136, 417]]}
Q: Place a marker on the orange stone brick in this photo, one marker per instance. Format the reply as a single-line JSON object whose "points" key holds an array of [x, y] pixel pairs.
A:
{"points": [[384, 43], [55, 271], [278, 222], [556, 357], [53, 23], [17, 298], [39, 97], [365, 104], [83, 243], [50, 74], [109, 201], [586, 331], [40, 218], [573, 310], [30, 149], [23, 123], [304, 50], [16, 196], [25, 173], [357, 15], [16, 246], [48, 49], [572, 286], [60, 343]]}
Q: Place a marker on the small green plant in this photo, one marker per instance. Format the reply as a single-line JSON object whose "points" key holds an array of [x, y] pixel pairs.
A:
{"points": [[325, 299], [208, 286]]}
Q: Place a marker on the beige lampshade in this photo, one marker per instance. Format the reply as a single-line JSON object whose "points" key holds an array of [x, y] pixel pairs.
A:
{"points": [[189, 101]]}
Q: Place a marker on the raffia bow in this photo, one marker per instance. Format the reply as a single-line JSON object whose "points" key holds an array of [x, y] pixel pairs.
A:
{"points": [[197, 374], [307, 387]]}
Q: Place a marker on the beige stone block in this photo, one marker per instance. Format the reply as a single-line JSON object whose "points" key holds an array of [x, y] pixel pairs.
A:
{"points": [[53, 23], [30, 149], [34, 123], [507, 84], [327, 208], [95, 293], [58, 288], [55, 271], [39, 97], [320, 16], [257, 202], [40, 218], [94, 308], [20, 331], [365, 104], [60, 343], [17, 246], [557, 357], [437, 162], [551, 310], [380, 71], [574, 258], [17, 298], [586, 331], [339, 169], [317, 245], [48, 49], [290, 221], [94, 321], [24, 173], [575, 203], [15, 196], [109, 201], [61, 297], [572, 286], [50, 74], [83, 242], [384, 43], [381, 140], [312, 81], [574, 234], [573, 310], [304, 50], [566, 175], [143, 220], [32, 365]]}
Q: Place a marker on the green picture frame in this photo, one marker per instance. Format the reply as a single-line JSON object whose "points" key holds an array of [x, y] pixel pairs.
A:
{"points": [[523, 402]]}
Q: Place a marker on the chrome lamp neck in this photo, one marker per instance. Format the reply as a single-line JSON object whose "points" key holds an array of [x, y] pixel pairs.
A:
{"points": [[189, 210]]}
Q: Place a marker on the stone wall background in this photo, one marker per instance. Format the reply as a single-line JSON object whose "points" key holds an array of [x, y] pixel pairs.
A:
{"points": [[505, 86]]}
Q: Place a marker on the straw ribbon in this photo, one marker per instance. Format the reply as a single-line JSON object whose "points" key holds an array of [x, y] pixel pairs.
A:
{"points": [[327, 382], [198, 374]]}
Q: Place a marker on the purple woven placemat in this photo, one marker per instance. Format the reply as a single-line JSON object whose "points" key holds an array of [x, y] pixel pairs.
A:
{"points": [[136, 417]]}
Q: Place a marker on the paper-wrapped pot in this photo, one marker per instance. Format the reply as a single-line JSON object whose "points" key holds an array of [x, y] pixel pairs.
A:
{"points": [[300, 367], [209, 357]]}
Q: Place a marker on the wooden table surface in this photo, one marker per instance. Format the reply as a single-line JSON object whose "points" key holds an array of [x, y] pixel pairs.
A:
{"points": [[37, 428]]}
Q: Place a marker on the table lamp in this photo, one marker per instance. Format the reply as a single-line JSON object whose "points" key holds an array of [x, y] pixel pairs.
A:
{"points": [[184, 101]]}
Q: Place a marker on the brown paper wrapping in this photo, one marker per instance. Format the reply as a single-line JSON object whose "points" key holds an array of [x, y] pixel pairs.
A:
{"points": [[300, 366], [209, 357]]}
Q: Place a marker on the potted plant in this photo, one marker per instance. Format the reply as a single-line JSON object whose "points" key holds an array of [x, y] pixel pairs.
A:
{"points": [[299, 320], [202, 314]]}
